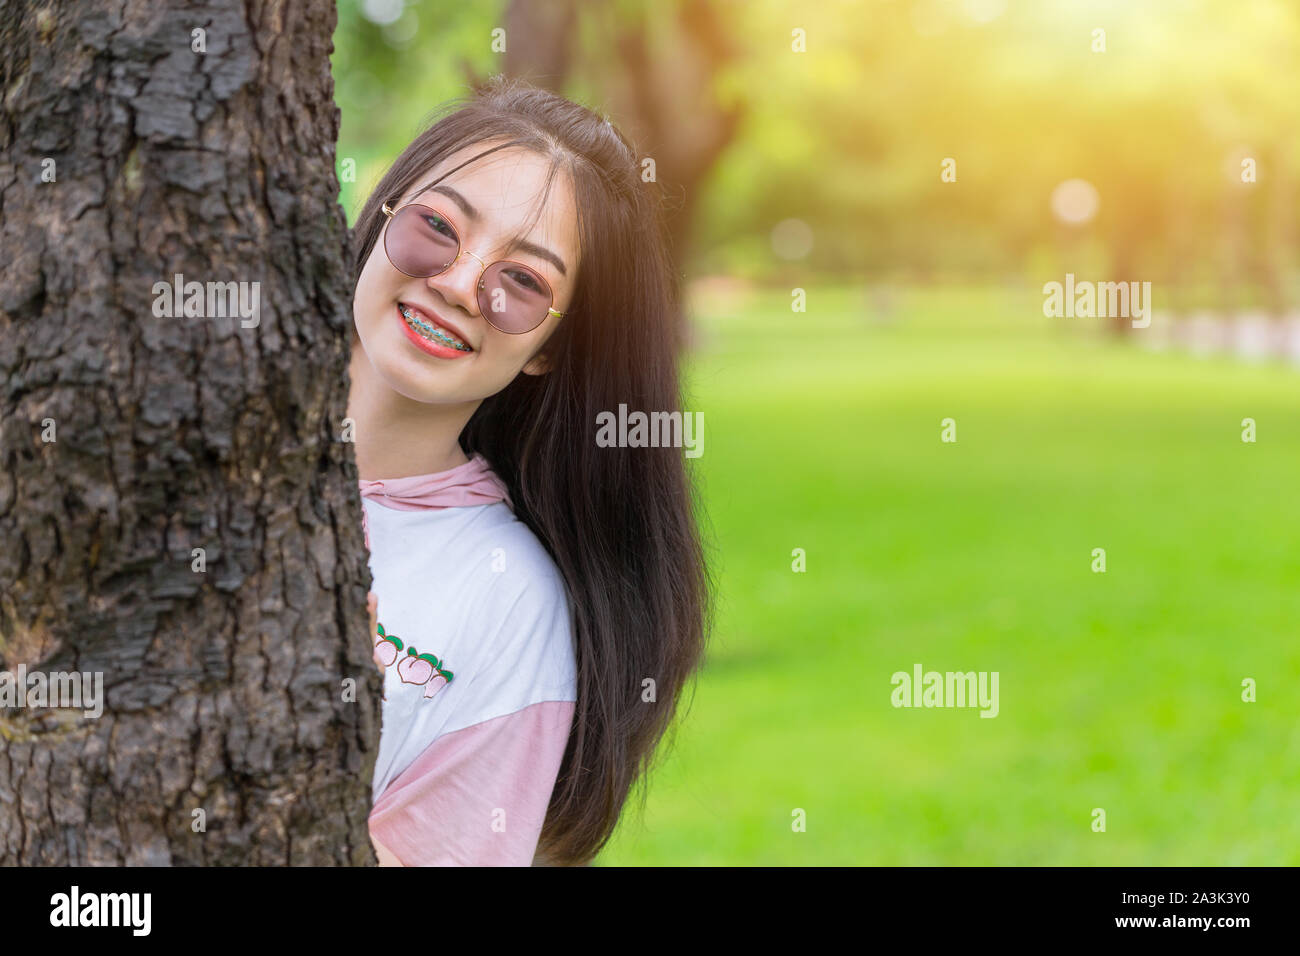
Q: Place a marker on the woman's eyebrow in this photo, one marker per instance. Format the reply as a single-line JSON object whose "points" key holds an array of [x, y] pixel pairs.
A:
{"points": [[460, 200], [522, 244], [541, 252]]}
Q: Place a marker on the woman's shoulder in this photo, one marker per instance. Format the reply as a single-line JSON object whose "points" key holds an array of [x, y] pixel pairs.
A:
{"points": [[517, 560], [524, 604]]}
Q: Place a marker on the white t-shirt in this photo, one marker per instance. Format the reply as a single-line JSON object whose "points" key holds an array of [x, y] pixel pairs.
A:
{"points": [[480, 684]]}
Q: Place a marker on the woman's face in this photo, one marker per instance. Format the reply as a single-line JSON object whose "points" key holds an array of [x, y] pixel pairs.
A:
{"points": [[489, 202]]}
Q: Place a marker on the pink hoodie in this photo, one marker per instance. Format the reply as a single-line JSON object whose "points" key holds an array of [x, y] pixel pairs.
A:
{"points": [[433, 812]]}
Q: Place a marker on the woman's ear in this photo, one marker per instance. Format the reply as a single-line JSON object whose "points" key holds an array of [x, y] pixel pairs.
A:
{"points": [[539, 364]]}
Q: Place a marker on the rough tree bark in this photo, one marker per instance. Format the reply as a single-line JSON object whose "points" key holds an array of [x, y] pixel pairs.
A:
{"points": [[210, 155]]}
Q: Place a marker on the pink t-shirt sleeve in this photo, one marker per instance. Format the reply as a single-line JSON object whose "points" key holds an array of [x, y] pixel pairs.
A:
{"points": [[477, 796]]}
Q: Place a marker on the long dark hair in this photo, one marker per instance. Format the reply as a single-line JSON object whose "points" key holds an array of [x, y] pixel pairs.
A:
{"points": [[620, 523]]}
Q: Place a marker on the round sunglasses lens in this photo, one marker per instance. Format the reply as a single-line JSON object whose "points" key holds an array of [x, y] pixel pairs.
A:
{"points": [[513, 297], [419, 242]]}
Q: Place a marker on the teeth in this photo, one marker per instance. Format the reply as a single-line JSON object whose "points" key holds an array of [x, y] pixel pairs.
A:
{"points": [[429, 332]]}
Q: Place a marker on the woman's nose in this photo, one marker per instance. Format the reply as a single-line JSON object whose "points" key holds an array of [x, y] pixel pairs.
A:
{"points": [[458, 283]]}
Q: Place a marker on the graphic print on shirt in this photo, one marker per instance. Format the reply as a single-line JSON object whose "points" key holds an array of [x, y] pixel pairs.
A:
{"points": [[412, 666]]}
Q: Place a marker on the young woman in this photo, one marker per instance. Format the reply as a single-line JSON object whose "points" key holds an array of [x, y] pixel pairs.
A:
{"points": [[541, 600]]}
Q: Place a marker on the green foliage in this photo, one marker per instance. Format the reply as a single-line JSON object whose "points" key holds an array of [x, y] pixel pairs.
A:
{"points": [[849, 136], [390, 79]]}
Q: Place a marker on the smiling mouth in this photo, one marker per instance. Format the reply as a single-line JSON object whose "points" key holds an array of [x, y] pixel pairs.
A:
{"points": [[433, 333]]}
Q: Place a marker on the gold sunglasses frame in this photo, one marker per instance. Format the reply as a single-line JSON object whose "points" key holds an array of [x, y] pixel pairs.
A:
{"points": [[390, 212]]}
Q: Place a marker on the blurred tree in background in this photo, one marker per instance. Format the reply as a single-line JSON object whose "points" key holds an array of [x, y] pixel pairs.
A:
{"points": [[656, 67], [846, 138]]}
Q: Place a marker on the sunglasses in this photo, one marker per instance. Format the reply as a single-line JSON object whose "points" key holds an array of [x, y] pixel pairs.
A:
{"points": [[422, 242]]}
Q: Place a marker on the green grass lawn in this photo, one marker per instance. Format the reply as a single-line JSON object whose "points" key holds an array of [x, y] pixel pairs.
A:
{"points": [[1119, 690]]}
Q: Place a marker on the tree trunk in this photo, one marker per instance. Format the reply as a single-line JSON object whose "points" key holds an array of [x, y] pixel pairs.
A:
{"points": [[670, 105], [539, 41], [178, 510], [660, 95]]}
